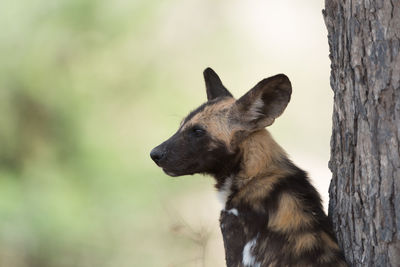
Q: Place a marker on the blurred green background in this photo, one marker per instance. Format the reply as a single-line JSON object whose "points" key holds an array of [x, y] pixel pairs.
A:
{"points": [[88, 87]]}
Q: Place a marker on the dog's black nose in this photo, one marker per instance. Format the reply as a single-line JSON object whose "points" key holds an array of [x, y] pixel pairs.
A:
{"points": [[157, 154]]}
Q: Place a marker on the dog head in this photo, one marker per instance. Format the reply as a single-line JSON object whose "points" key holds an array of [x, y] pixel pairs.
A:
{"points": [[208, 139]]}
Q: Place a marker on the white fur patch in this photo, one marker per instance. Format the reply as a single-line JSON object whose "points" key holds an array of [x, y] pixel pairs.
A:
{"points": [[234, 212], [255, 110], [225, 192], [248, 259]]}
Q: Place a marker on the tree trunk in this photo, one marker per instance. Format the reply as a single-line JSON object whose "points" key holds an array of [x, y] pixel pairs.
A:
{"points": [[364, 193]]}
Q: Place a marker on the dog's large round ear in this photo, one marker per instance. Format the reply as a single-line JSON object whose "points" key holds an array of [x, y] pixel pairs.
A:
{"points": [[260, 106], [214, 86]]}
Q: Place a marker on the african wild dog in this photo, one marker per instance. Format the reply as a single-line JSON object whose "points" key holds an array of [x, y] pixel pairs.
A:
{"points": [[272, 215]]}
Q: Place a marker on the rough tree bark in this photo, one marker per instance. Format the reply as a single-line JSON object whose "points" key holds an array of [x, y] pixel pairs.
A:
{"points": [[364, 38]]}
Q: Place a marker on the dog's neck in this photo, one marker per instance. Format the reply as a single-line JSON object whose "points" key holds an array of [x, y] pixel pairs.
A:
{"points": [[260, 155], [262, 163]]}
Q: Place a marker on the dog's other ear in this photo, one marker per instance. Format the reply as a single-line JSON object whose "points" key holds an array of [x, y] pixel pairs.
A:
{"points": [[214, 86], [259, 107]]}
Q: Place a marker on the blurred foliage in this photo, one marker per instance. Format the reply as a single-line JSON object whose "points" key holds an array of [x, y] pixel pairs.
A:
{"points": [[75, 189], [87, 88]]}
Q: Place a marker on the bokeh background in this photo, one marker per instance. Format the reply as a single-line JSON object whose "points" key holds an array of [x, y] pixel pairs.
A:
{"points": [[88, 87]]}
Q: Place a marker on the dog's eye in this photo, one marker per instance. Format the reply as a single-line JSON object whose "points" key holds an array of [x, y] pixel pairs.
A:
{"points": [[197, 131]]}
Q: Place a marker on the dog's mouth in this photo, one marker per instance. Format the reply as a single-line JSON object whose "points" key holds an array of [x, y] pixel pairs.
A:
{"points": [[170, 173], [176, 173]]}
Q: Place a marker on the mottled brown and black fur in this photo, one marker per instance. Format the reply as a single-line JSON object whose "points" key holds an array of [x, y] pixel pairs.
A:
{"points": [[272, 215]]}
